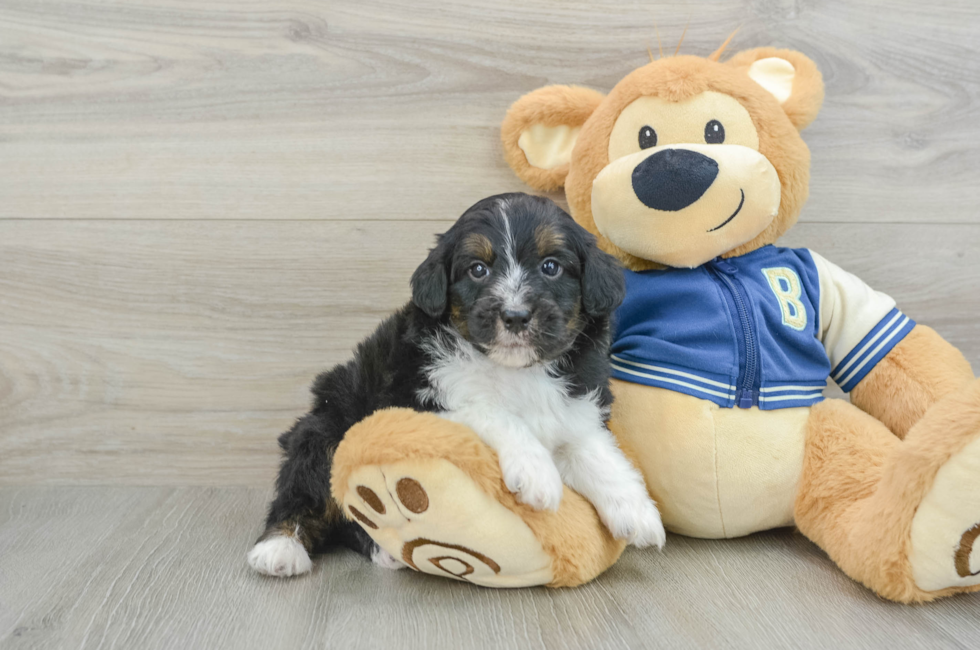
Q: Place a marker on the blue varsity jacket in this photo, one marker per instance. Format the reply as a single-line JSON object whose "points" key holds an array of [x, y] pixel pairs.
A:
{"points": [[764, 329]]}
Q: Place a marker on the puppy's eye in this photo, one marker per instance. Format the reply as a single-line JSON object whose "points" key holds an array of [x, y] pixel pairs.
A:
{"points": [[551, 268], [714, 132], [479, 271], [648, 137]]}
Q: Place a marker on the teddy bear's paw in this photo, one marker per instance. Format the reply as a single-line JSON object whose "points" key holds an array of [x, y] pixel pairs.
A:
{"points": [[280, 556], [944, 551], [635, 520], [431, 516], [533, 478]]}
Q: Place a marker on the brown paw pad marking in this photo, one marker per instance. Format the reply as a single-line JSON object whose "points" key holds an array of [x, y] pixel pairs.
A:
{"points": [[965, 550], [361, 517], [455, 565], [370, 498], [412, 496], [410, 492]]}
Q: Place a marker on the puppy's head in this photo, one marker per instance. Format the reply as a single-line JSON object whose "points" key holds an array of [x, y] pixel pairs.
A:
{"points": [[519, 279]]}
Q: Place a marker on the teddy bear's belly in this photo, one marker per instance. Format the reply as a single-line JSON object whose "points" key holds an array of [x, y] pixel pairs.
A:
{"points": [[714, 472]]}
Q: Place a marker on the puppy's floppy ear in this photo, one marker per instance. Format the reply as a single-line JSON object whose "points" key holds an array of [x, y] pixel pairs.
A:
{"points": [[603, 283], [430, 282], [789, 76], [541, 129]]}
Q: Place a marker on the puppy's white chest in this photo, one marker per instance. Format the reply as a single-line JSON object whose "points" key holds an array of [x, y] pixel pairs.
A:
{"points": [[475, 391]]}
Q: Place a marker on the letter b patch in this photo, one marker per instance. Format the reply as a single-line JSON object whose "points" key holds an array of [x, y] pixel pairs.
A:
{"points": [[785, 284]]}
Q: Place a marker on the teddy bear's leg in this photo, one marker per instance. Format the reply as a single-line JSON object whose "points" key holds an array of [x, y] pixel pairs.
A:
{"points": [[917, 373], [431, 494], [902, 517]]}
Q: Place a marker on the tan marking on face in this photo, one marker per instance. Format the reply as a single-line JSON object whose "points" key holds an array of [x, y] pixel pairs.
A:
{"points": [[548, 240], [458, 320], [575, 321], [478, 246]]}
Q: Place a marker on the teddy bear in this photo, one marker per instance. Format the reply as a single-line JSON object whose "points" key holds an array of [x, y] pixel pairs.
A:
{"points": [[688, 171]]}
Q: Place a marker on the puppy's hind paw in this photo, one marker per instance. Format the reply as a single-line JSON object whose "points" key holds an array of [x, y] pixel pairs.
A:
{"points": [[279, 556], [386, 560]]}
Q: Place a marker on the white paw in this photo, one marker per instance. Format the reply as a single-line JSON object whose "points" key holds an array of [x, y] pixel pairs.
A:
{"points": [[635, 520], [533, 478], [279, 556], [386, 560]]}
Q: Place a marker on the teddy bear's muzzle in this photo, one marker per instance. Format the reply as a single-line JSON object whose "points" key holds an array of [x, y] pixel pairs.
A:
{"points": [[682, 205]]}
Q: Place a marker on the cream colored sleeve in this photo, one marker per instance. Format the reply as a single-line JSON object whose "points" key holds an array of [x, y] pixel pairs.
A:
{"points": [[858, 325]]}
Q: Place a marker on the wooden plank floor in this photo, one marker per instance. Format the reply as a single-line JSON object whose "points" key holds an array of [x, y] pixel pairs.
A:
{"points": [[161, 568], [205, 202]]}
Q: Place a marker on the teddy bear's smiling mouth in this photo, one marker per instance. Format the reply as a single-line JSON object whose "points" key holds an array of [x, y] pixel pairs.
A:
{"points": [[737, 210]]}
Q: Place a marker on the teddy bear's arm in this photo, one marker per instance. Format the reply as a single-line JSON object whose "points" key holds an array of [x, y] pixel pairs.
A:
{"points": [[910, 376], [917, 372]]}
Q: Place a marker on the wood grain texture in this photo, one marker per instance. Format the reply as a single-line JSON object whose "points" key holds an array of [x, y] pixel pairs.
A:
{"points": [[374, 109], [155, 568], [162, 353], [180, 355]]}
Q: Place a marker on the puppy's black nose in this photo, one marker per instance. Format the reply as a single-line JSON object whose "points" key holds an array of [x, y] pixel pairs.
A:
{"points": [[673, 179], [515, 321]]}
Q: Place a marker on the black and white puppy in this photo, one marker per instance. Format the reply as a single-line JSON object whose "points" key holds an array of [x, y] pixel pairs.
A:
{"points": [[507, 332]]}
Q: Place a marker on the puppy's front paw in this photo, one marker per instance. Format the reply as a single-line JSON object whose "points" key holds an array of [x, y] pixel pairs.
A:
{"points": [[279, 556], [533, 478], [637, 521], [386, 560]]}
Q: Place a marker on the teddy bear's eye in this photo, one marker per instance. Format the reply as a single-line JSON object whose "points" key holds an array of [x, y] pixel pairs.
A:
{"points": [[714, 132], [648, 137]]}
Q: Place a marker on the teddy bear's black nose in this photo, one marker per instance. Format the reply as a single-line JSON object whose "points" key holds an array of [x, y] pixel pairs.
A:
{"points": [[673, 179]]}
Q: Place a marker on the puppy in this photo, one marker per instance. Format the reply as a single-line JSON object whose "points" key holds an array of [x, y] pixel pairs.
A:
{"points": [[507, 332]]}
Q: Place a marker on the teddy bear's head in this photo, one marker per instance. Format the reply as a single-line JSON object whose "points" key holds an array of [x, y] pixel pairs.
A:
{"points": [[684, 160]]}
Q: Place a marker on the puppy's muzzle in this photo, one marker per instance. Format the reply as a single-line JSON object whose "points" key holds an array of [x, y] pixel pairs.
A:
{"points": [[672, 179], [515, 320]]}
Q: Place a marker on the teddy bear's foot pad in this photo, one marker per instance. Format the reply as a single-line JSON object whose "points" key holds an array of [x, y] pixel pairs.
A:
{"points": [[945, 551], [434, 518]]}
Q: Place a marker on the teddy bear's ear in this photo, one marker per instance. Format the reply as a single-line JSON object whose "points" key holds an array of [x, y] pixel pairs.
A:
{"points": [[790, 77], [540, 130]]}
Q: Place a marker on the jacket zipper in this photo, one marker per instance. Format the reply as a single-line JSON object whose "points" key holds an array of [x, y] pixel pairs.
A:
{"points": [[746, 395]]}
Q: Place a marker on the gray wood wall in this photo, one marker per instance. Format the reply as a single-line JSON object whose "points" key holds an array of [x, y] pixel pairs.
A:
{"points": [[204, 203]]}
